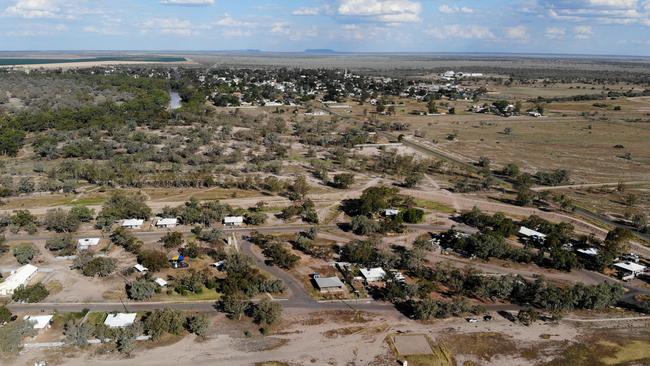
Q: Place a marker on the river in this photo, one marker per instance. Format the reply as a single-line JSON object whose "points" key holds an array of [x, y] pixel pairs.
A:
{"points": [[175, 101]]}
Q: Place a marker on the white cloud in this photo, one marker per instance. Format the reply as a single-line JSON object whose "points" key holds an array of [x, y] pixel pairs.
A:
{"points": [[172, 26], [601, 11], [461, 32], [555, 33], [583, 31], [306, 11], [518, 33], [446, 9], [390, 11], [280, 28], [229, 21], [188, 2], [34, 9]]}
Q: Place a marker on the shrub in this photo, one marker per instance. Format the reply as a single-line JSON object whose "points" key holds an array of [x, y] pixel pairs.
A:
{"points": [[24, 253], [142, 290], [31, 294]]}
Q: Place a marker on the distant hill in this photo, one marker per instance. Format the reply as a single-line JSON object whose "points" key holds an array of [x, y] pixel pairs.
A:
{"points": [[320, 51]]}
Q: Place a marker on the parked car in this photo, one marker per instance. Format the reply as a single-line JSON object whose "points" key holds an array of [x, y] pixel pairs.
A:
{"points": [[472, 320]]}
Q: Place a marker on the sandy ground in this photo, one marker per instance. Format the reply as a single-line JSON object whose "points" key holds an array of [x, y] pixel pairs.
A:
{"points": [[318, 339]]}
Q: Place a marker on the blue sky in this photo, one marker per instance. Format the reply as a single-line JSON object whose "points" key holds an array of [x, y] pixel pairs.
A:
{"points": [[546, 26]]}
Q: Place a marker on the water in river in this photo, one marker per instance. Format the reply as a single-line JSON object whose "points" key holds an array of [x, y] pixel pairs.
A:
{"points": [[175, 101]]}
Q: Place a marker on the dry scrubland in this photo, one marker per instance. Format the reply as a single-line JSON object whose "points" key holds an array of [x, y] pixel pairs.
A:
{"points": [[577, 136]]}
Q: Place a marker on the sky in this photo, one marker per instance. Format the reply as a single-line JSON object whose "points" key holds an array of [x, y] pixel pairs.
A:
{"points": [[604, 27]]}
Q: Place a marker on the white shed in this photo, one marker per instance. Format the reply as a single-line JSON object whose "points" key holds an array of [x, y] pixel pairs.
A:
{"points": [[39, 321], [140, 268], [160, 282], [391, 212], [120, 320], [373, 274], [233, 220], [529, 233], [86, 243], [17, 278], [132, 223], [167, 223]]}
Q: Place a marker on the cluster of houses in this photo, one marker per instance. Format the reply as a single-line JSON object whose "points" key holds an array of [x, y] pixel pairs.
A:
{"points": [[628, 266], [452, 75], [369, 276], [169, 223]]}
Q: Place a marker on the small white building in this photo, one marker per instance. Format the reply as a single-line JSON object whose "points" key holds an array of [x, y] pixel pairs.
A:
{"points": [[629, 270], [140, 268], [529, 233], [132, 223], [167, 223], [373, 274], [86, 243], [39, 321], [120, 320], [391, 212], [17, 278], [160, 282], [233, 220], [589, 252]]}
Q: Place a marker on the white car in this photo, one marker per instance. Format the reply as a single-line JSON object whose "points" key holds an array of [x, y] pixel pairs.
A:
{"points": [[473, 320]]}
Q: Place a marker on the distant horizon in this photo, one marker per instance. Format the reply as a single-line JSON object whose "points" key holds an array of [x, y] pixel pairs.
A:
{"points": [[581, 27], [317, 52]]}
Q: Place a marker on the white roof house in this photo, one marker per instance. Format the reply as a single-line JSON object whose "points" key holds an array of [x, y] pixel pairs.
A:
{"points": [[630, 267], [140, 268], [592, 252], [168, 222], [120, 320], [17, 278], [328, 284], [391, 212], [132, 223], [39, 321], [233, 220], [85, 243], [160, 282], [373, 274], [531, 233]]}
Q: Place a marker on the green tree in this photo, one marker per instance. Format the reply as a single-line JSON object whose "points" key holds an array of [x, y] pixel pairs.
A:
{"points": [[142, 290], [11, 141], [431, 106], [234, 304], [61, 221], [363, 225], [12, 335], [30, 293], [163, 321], [343, 180], [123, 205], [78, 333], [413, 178], [266, 312], [24, 253], [5, 314], [154, 260], [198, 324], [172, 240], [61, 245], [255, 218]]}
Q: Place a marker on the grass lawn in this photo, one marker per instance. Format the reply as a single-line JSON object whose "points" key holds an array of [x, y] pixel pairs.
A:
{"points": [[206, 294], [435, 206]]}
